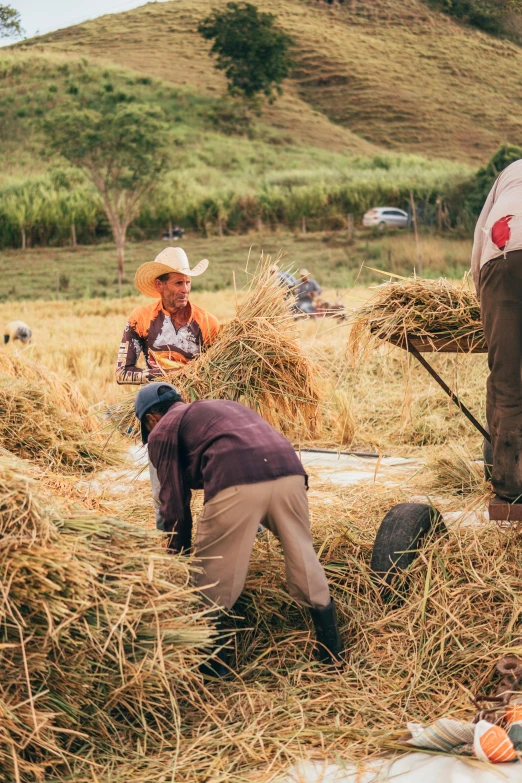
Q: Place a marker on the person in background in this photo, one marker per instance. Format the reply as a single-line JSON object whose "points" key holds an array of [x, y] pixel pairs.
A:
{"points": [[284, 279], [249, 473], [17, 330], [305, 292], [169, 332], [496, 266]]}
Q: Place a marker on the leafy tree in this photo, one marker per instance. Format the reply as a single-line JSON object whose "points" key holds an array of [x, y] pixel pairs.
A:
{"points": [[10, 25], [482, 182], [122, 151], [252, 52]]}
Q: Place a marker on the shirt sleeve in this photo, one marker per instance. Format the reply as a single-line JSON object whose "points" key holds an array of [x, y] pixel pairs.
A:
{"points": [[317, 289], [174, 494], [129, 352], [209, 326]]}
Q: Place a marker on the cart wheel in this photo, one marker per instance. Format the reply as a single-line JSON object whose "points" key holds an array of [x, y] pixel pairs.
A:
{"points": [[399, 537], [487, 452]]}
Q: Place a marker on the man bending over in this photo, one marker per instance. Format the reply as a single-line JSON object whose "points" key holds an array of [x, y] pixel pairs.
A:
{"points": [[250, 474]]}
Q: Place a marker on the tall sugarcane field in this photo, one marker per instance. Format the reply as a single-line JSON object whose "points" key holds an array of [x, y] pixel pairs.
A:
{"points": [[260, 397]]}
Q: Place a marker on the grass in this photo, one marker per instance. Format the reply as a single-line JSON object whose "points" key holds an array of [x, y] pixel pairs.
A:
{"points": [[395, 407], [369, 76], [90, 271]]}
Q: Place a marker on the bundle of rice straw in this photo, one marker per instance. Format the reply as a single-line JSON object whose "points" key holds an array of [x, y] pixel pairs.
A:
{"points": [[257, 360], [436, 311], [46, 419], [456, 472], [100, 635]]}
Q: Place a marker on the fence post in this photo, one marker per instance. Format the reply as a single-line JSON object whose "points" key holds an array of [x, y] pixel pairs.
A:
{"points": [[414, 217], [73, 235], [350, 227], [303, 224]]}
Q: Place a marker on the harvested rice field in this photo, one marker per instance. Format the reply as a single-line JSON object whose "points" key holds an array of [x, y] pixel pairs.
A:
{"points": [[101, 632]]}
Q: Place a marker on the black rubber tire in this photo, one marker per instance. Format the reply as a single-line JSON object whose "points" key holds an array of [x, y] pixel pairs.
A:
{"points": [[399, 536], [487, 452]]}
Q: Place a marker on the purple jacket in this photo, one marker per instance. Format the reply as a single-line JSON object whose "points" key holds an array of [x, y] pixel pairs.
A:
{"points": [[212, 445]]}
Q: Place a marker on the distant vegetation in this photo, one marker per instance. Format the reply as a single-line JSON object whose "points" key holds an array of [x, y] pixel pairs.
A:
{"points": [[121, 149], [211, 182], [253, 53], [477, 189], [10, 24], [493, 16]]}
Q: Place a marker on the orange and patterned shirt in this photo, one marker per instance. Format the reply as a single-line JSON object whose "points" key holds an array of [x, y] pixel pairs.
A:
{"points": [[150, 331]]}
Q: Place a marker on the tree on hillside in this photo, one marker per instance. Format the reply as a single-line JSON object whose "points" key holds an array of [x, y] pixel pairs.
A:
{"points": [[10, 24], [490, 15], [252, 52], [479, 187], [122, 150]]}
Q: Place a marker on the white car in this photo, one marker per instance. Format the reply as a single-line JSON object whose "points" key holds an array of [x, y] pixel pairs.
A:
{"points": [[386, 217]]}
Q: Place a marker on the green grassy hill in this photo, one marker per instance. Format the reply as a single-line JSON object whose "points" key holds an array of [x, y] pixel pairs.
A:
{"points": [[382, 74], [387, 99], [215, 180]]}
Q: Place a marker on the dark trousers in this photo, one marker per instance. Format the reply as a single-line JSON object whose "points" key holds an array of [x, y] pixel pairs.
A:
{"points": [[501, 309]]}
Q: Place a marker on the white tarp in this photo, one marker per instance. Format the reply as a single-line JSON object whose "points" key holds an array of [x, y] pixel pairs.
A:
{"points": [[410, 768]]}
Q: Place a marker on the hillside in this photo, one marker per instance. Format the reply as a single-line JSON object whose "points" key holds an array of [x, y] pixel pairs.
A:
{"points": [[391, 75], [215, 181]]}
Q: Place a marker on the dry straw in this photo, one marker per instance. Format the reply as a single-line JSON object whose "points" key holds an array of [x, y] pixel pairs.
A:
{"points": [[257, 360], [435, 310], [418, 659], [100, 637], [455, 472], [45, 419]]}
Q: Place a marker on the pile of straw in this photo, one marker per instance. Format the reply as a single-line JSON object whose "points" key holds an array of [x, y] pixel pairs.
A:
{"points": [[45, 419], [455, 472], [431, 309], [100, 636], [256, 360], [417, 660]]}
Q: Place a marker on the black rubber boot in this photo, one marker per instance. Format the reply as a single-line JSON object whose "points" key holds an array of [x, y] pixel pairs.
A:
{"points": [[217, 667], [329, 649]]}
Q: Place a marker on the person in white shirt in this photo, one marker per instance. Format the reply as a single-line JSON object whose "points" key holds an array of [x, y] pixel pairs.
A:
{"points": [[496, 266]]}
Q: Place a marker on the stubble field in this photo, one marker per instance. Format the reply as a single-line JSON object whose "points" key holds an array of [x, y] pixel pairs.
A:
{"points": [[420, 659]]}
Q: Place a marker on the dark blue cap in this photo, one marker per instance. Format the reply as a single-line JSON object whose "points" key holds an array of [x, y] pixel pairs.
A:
{"points": [[152, 394]]}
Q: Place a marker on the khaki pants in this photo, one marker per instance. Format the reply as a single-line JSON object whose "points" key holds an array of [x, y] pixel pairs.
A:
{"points": [[227, 531], [501, 310]]}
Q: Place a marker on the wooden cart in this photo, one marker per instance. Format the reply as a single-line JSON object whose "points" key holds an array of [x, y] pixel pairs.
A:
{"points": [[406, 524]]}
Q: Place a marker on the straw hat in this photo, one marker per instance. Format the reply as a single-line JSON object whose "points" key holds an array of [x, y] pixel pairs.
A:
{"points": [[172, 259], [304, 273]]}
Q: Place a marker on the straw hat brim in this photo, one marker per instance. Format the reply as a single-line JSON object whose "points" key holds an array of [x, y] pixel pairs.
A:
{"points": [[147, 273]]}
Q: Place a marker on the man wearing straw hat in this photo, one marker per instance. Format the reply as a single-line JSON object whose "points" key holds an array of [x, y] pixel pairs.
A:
{"points": [[169, 332], [250, 474], [172, 330]]}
